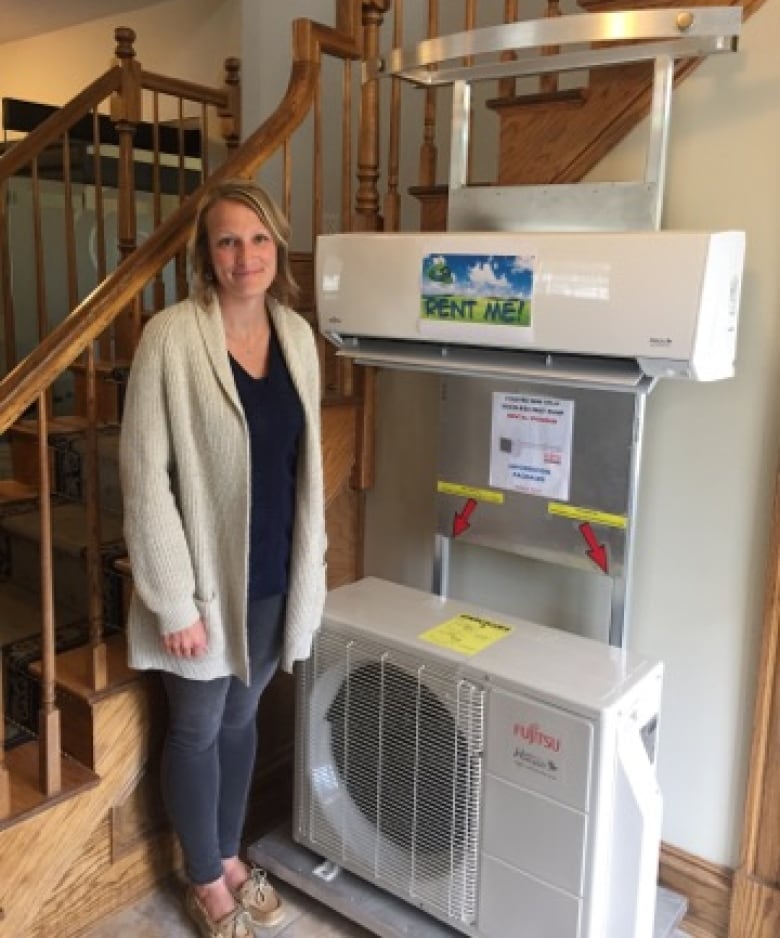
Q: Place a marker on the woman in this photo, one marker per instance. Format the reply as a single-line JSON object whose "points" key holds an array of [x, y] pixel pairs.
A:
{"points": [[223, 497]]}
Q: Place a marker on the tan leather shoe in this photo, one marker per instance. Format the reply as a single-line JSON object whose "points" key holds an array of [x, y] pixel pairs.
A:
{"points": [[260, 899], [234, 925]]}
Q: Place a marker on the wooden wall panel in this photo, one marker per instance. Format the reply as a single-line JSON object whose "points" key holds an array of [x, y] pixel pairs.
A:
{"points": [[755, 911]]}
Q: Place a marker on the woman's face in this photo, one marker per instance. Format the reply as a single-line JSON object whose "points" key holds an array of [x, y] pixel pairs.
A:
{"points": [[242, 251]]}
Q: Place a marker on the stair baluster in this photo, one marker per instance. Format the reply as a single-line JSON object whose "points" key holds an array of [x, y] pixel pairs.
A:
{"points": [[507, 87], [548, 84], [230, 113], [367, 197], [429, 151], [50, 767], [126, 110], [392, 201], [5, 778], [6, 293], [98, 659]]}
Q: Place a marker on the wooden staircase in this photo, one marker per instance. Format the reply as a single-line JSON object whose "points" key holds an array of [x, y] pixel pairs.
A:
{"points": [[81, 827]]}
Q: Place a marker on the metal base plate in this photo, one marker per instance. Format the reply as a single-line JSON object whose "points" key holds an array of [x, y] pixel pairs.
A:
{"points": [[376, 910]]}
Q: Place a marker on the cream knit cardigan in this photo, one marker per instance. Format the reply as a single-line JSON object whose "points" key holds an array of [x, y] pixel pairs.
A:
{"points": [[185, 471]]}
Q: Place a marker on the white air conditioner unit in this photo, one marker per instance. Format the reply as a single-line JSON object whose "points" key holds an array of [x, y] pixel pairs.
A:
{"points": [[497, 774], [587, 307]]}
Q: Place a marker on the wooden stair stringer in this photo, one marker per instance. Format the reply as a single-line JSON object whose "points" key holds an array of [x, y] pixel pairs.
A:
{"points": [[553, 144], [339, 432], [548, 140], [42, 848], [108, 876]]}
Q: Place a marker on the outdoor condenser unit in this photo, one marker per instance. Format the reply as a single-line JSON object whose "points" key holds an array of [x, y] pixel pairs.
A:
{"points": [[497, 774]]}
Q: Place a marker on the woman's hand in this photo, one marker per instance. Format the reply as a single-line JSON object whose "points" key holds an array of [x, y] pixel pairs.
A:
{"points": [[191, 642]]}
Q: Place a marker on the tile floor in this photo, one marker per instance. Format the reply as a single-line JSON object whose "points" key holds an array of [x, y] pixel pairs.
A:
{"points": [[162, 916]]}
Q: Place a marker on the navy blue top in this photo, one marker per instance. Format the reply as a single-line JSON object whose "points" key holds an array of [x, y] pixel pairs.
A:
{"points": [[274, 416]]}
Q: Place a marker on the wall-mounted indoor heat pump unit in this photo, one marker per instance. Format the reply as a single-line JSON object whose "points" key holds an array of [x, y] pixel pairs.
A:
{"points": [[595, 306], [498, 775]]}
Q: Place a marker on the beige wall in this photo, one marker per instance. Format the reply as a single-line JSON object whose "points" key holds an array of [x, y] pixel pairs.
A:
{"points": [[187, 38], [52, 67]]}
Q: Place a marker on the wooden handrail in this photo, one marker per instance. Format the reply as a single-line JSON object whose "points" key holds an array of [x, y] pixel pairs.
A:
{"points": [[120, 292], [69, 339], [151, 81], [90, 318], [55, 126], [311, 40]]}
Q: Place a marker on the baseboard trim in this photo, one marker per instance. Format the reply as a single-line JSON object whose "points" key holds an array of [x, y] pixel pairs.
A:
{"points": [[707, 887]]}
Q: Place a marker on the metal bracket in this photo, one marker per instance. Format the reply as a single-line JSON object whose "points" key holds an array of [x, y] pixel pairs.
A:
{"points": [[658, 36]]}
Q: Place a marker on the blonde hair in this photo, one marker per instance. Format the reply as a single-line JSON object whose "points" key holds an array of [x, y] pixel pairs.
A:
{"points": [[254, 197]]}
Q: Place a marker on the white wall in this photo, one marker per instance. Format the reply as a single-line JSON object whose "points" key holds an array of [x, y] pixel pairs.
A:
{"points": [[711, 451], [710, 457]]}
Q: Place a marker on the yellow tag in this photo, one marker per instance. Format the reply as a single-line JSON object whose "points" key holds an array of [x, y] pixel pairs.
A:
{"points": [[588, 514], [468, 491], [466, 634]]}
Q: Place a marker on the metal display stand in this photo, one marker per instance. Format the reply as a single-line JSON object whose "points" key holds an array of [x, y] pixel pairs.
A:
{"points": [[592, 527], [593, 530], [375, 909], [590, 531]]}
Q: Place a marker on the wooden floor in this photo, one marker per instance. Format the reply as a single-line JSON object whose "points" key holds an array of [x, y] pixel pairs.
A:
{"points": [[162, 916]]}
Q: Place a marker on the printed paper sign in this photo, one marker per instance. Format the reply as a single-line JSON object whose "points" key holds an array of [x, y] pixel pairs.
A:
{"points": [[531, 444]]}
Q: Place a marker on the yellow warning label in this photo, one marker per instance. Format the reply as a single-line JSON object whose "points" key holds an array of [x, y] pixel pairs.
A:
{"points": [[466, 634], [467, 491], [587, 514]]}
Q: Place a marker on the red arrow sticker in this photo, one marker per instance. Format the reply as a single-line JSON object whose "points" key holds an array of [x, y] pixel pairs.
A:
{"points": [[460, 522], [597, 552]]}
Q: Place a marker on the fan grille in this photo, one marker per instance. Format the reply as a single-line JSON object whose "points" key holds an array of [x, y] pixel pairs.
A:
{"points": [[389, 765]]}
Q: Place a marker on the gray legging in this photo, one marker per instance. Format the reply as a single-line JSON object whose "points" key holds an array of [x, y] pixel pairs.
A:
{"points": [[209, 750]]}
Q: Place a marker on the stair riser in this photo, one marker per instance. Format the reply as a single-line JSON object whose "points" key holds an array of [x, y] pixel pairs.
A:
{"points": [[67, 465], [110, 498], [109, 396], [77, 727], [24, 460], [70, 581]]}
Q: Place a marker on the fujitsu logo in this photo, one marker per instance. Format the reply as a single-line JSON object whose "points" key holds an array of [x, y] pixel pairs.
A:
{"points": [[531, 733]]}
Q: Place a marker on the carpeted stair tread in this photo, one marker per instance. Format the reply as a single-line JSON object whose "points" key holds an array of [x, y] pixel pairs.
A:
{"points": [[108, 460], [69, 424], [12, 492], [20, 614], [74, 425], [69, 527], [107, 441]]}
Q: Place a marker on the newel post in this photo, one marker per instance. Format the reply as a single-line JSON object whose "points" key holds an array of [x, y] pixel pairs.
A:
{"points": [[367, 217], [126, 114]]}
